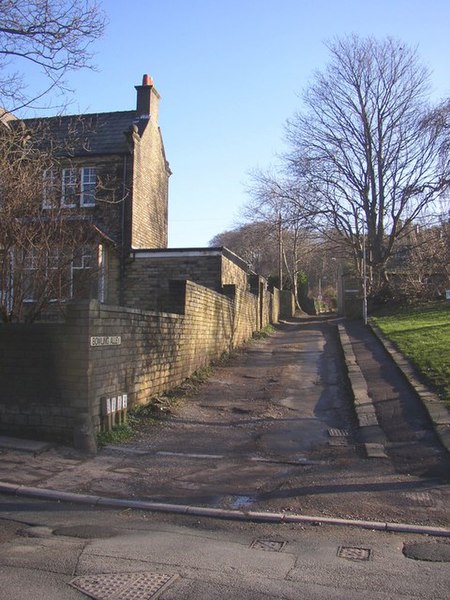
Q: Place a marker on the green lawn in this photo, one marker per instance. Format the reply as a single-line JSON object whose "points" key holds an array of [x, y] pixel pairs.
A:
{"points": [[423, 334]]}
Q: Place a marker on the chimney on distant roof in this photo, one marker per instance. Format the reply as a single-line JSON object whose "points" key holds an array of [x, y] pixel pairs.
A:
{"points": [[147, 99]]}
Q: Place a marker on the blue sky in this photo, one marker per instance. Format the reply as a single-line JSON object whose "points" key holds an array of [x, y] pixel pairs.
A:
{"points": [[230, 74]]}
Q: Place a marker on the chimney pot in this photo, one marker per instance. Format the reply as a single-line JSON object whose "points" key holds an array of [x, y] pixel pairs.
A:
{"points": [[147, 80]]}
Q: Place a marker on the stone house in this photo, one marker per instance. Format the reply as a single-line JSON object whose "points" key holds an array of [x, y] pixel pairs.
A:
{"points": [[111, 176]]}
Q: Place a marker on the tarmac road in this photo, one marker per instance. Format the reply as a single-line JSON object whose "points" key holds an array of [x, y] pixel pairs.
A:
{"points": [[273, 429], [47, 548]]}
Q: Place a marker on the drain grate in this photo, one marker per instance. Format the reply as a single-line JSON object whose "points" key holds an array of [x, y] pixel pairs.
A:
{"points": [[123, 586], [338, 437], [351, 553], [333, 432], [268, 545]]}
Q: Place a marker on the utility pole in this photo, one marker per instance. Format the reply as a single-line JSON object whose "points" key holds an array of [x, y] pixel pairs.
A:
{"points": [[280, 252], [364, 274]]}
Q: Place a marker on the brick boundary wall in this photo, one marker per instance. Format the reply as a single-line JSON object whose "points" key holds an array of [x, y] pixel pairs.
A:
{"points": [[53, 376]]}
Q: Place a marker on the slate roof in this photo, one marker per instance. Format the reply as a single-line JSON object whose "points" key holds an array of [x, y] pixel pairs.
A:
{"points": [[84, 135]]}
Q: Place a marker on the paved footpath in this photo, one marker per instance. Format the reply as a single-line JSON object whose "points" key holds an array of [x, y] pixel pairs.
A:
{"points": [[274, 430]]}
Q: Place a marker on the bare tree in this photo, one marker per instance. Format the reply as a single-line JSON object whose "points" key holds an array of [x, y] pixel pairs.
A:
{"points": [[51, 37], [366, 152], [279, 203], [420, 267], [255, 242], [39, 239], [304, 253]]}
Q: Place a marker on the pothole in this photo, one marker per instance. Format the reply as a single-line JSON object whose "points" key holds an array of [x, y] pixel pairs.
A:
{"points": [[86, 531], [428, 551], [241, 411], [8, 530]]}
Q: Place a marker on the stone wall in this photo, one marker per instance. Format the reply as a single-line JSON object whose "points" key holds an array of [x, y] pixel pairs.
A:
{"points": [[149, 219], [159, 350], [149, 273], [233, 270], [274, 306], [54, 373]]}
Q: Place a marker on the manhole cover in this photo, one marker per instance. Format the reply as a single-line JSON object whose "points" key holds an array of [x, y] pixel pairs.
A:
{"points": [[268, 545], [351, 553], [430, 551], [123, 586]]}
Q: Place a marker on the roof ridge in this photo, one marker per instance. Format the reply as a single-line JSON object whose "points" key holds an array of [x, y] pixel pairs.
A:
{"points": [[76, 115]]}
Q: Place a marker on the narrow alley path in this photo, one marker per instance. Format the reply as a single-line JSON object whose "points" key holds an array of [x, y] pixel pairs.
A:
{"points": [[273, 429]]}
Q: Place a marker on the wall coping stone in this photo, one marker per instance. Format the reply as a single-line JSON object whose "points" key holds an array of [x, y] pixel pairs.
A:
{"points": [[190, 253]]}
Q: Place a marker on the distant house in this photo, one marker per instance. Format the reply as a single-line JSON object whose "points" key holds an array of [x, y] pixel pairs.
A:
{"points": [[111, 175]]}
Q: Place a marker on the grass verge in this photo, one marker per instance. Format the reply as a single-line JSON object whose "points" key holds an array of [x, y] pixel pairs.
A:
{"points": [[263, 333], [422, 333]]}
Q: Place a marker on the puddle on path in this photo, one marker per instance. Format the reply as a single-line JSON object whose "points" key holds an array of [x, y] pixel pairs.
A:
{"points": [[235, 502]]}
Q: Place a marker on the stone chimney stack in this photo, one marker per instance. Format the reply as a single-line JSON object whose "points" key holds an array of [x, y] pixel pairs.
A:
{"points": [[147, 100]]}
